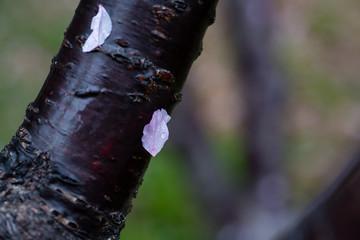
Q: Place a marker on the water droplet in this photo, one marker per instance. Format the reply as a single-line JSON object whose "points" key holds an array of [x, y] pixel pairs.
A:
{"points": [[49, 102], [135, 193], [82, 203], [53, 62], [163, 135], [180, 5], [105, 76], [158, 35], [134, 22], [107, 198], [39, 121], [88, 92]]}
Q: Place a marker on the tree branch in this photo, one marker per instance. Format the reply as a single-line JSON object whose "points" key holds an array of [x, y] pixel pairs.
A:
{"points": [[77, 160], [336, 212]]}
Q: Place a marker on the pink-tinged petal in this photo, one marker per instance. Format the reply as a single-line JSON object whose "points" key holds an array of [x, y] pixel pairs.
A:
{"points": [[156, 132], [101, 26]]}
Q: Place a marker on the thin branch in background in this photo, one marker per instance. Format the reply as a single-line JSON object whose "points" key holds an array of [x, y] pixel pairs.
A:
{"points": [[335, 214], [265, 200], [259, 210], [265, 90]]}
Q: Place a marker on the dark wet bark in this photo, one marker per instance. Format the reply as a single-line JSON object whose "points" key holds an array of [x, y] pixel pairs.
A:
{"points": [[335, 215], [77, 160]]}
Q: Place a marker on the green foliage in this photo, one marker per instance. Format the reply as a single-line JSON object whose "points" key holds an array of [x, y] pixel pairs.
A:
{"points": [[30, 35], [324, 22], [167, 205], [229, 147]]}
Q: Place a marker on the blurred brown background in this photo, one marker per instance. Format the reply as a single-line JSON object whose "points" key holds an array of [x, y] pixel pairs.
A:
{"points": [[304, 57]]}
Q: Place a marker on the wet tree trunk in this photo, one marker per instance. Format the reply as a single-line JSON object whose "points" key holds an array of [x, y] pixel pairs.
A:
{"points": [[77, 160]]}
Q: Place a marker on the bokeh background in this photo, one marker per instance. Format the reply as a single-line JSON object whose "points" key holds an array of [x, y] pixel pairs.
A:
{"points": [[316, 47]]}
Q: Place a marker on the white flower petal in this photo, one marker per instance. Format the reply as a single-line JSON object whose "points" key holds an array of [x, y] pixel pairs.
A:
{"points": [[156, 132], [101, 26]]}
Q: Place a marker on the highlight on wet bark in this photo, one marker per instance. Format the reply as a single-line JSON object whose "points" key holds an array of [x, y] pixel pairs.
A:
{"points": [[101, 27], [156, 132]]}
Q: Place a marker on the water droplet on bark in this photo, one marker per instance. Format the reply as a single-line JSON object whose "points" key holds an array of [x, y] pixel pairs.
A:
{"points": [[134, 22], [180, 5], [158, 35]]}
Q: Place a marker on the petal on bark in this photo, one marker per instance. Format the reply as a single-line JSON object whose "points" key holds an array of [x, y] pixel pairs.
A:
{"points": [[156, 132], [101, 27]]}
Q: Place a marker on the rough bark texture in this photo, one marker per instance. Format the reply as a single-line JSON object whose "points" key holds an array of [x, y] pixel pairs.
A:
{"points": [[77, 160]]}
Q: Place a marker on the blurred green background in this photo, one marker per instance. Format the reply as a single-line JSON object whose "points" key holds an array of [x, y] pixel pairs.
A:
{"points": [[319, 48]]}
